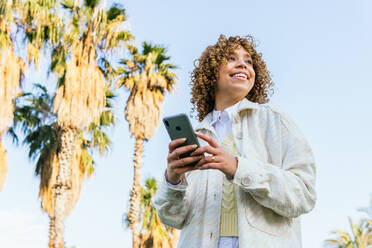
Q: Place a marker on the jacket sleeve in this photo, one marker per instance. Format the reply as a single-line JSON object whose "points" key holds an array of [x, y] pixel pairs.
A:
{"points": [[172, 205], [289, 189]]}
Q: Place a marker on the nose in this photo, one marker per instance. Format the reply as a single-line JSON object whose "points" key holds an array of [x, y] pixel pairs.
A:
{"points": [[241, 64]]}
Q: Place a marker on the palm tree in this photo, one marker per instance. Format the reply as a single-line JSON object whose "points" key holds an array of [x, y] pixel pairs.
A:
{"points": [[153, 232], [91, 32], [34, 117], [79, 34], [361, 236], [11, 74], [147, 76]]}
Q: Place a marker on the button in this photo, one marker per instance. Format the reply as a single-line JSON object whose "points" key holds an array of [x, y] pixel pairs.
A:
{"points": [[246, 181]]}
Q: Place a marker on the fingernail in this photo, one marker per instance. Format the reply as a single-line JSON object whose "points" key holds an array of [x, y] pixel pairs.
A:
{"points": [[194, 146], [184, 139]]}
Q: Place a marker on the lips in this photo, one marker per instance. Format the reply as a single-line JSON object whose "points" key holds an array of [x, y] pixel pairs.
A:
{"points": [[240, 75]]}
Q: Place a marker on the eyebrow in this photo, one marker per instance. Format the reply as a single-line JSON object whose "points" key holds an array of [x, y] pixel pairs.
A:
{"points": [[245, 55]]}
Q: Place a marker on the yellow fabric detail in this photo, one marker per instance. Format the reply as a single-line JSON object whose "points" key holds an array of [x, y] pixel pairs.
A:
{"points": [[229, 208]]}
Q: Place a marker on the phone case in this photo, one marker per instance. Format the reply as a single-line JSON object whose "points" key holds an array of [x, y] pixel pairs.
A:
{"points": [[179, 126]]}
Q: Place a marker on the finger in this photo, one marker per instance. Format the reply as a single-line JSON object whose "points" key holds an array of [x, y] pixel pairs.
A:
{"points": [[183, 162], [208, 159], [175, 143], [179, 151], [210, 166], [207, 149], [201, 162], [185, 169], [208, 139], [212, 159], [197, 151]]}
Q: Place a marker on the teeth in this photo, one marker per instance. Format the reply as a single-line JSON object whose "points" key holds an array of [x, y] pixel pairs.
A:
{"points": [[240, 75]]}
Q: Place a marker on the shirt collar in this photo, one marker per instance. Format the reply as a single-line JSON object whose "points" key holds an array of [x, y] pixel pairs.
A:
{"points": [[232, 111], [223, 116]]}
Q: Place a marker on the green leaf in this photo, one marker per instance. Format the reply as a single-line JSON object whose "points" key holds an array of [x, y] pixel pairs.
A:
{"points": [[68, 4], [91, 3], [115, 11]]}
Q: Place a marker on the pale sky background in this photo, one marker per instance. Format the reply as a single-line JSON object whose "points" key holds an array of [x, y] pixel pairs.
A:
{"points": [[319, 53]]}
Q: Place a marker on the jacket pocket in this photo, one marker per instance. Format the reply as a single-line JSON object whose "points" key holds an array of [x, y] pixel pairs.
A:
{"points": [[264, 219]]}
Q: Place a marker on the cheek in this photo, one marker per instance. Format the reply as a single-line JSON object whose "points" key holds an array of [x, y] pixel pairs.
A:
{"points": [[253, 73], [253, 77], [222, 72], [222, 76]]}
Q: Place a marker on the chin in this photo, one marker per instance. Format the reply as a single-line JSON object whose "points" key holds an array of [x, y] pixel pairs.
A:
{"points": [[239, 96], [242, 91]]}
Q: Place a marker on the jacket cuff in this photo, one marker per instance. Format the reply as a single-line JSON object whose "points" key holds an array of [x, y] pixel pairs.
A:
{"points": [[173, 192], [249, 172], [173, 186]]}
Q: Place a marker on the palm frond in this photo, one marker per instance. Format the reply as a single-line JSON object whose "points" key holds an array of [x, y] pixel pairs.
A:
{"points": [[43, 138], [115, 11], [11, 75], [107, 69], [91, 3], [68, 4], [360, 237], [13, 135], [58, 64], [41, 26], [81, 95]]}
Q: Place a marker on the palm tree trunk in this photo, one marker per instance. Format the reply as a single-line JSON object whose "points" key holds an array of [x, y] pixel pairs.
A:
{"points": [[134, 211], [52, 232], [66, 148]]}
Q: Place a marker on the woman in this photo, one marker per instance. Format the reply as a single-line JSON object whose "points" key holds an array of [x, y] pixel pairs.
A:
{"points": [[260, 175]]}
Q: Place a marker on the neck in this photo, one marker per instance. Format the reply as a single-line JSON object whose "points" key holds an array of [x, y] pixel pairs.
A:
{"points": [[222, 104]]}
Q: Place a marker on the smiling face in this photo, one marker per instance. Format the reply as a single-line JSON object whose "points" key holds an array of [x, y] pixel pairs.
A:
{"points": [[235, 79]]}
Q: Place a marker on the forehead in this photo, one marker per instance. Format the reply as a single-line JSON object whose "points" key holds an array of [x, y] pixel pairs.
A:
{"points": [[240, 51]]}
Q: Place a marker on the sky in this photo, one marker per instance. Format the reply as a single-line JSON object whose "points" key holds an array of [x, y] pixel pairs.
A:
{"points": [[319, 54]]}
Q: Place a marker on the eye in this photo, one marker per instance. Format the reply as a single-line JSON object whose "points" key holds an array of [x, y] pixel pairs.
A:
{"points": [[230, 59], [248, 61]]}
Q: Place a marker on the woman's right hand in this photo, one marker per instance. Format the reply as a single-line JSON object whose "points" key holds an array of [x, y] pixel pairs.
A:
{"points": [[176, 166]]}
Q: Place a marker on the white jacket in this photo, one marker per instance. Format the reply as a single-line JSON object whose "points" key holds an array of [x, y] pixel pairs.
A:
{"points": [[275, 178]]}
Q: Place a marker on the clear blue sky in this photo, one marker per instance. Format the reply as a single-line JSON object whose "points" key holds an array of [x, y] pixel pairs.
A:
{"points": [[319, 53]]}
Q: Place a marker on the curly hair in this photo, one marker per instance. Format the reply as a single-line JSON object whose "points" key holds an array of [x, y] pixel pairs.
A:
{"points": [[205, 75]]}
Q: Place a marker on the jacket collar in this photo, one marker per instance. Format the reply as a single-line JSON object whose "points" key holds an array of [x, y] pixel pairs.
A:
{"points": [[243, 105]]}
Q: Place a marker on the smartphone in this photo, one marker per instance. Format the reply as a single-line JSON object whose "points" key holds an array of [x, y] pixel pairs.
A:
{"points": [[179, 126]]}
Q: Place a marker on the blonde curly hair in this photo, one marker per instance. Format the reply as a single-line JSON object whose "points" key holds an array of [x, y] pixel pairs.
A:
{"points": [[205, 75]]}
